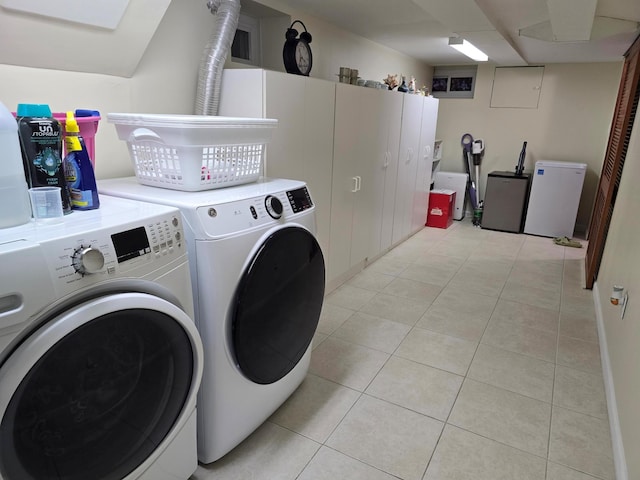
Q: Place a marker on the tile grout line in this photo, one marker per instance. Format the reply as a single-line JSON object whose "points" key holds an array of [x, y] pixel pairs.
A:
{"points": [[465, 376]]}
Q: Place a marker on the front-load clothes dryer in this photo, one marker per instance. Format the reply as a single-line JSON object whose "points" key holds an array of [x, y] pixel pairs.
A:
{"points": [[100, 360], [258, 276]]}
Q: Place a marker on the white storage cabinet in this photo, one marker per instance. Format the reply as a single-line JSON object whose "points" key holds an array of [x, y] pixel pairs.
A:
{"points": [[301, 148]]}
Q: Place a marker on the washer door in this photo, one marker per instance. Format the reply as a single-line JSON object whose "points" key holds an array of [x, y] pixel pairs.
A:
{"points": [[277, 305], [95, 391]]}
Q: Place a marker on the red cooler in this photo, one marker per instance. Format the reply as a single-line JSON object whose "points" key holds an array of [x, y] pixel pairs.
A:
{"points": [[441, 207]]}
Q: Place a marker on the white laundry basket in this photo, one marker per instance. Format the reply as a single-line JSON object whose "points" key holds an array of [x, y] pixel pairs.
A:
{"points": [[194, 152]]}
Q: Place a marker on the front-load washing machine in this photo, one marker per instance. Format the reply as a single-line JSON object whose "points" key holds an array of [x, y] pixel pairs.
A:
{"points": [[100, 360], [258, 277]]}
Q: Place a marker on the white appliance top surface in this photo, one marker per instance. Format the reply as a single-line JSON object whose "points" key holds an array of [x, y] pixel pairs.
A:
{"points": [[441, 174], [130, 187], [113, 213], [549, 164]]}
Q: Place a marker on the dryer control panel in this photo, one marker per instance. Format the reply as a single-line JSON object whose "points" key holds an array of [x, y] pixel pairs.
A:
{"points": [[240, 215], [299, 199]]}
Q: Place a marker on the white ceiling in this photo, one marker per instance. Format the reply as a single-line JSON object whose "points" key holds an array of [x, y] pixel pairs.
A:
{"points": [[511, 32]]}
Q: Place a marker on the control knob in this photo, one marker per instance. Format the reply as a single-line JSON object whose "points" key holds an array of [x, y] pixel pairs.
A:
{"points": [[274, 206], [87, 260]]}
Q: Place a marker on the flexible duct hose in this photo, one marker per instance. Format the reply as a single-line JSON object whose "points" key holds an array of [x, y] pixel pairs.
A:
{"points": [[225, 22]]}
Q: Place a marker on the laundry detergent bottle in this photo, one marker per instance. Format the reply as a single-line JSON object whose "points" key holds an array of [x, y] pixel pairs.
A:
{"points": [[15, 208], [78, 168], [41, 145]]}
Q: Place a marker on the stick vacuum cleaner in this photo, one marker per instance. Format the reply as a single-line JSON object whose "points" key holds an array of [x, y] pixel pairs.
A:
{"points": [[473, 151]]}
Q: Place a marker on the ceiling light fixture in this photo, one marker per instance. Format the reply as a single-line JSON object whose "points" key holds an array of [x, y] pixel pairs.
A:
{"points": [[468, 49]]}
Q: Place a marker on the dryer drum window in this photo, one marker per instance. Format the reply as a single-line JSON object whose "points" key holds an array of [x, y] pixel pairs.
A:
{"points": [[97, 404], [278, 304]]}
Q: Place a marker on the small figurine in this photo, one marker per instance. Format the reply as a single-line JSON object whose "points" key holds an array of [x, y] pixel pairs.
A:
{"points": [[412, 85], [391, 81], [403, 86]]}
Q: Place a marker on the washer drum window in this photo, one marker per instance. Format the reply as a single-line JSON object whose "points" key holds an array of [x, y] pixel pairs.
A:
{"points": [[98, 396]]}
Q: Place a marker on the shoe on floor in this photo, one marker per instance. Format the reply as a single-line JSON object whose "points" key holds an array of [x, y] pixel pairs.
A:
{"points": [[567, 242]]}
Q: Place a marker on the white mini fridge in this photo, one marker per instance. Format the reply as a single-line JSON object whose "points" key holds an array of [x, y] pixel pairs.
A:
{"points": [[554, 198], [456, 182]]}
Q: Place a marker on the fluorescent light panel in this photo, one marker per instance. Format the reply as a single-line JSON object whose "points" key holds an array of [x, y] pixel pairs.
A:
{"points": [[468, 49]]}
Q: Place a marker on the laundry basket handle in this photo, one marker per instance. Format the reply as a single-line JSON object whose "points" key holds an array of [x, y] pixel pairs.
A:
{"points": [[140, 134]]}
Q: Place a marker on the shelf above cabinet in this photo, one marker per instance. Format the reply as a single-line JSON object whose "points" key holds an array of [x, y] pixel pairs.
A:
{"points": [[437, 150]]}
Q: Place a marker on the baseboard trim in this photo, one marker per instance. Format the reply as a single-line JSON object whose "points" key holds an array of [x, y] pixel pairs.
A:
{"points": [[619, 458]]}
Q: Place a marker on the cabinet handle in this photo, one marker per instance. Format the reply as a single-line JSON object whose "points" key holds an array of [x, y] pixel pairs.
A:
{"points": [[386, 159], [355, 184], [427, 152], [409, 155], [359, 182]]}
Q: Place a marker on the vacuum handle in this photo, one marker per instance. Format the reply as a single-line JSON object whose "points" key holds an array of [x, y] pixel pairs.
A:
{"points": [[523, 153], [466, 142]]}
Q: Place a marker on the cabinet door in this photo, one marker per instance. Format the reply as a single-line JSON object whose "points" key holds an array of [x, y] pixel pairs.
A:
{"points": [[392, 112], [372, 140], [344, 184], [284, 100], [424, 163], [407, 166], [302, 145], [241, 93], [316, 170]]}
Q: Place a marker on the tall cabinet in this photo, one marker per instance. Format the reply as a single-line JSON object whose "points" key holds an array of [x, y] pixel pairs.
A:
{"points": [[302, 146], [424, 165], [389, 127], [365, 159], [407, 166], [364, 153]]}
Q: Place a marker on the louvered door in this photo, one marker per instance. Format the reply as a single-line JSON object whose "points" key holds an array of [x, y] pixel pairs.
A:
{"points": [[625, 111]]}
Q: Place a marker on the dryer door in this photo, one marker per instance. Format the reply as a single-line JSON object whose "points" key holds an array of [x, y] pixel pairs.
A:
{"points": [[277, 305], [98, 389]]}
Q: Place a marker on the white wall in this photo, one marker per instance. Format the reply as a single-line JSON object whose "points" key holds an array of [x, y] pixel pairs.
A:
{"points": [[621, 266], [166, 78], [333, 48], [571, 124], [68, 91]]}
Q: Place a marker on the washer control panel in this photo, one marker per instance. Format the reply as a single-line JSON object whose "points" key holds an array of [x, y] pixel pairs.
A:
{"points": [[84, 259]]}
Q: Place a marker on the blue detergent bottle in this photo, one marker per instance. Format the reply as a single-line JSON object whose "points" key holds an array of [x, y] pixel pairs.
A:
{"points": [[78, 169]]}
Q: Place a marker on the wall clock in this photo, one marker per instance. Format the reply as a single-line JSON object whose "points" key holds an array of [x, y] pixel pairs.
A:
{"points": [[297, 52]]}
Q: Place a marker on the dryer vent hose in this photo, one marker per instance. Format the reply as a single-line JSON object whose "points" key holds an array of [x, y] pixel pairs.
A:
{"points": [[225, 22]]}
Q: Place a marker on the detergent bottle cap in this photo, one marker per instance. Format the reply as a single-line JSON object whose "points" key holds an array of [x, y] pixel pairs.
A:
{"points": [[71, 140], [33, 110], [70, 124]]}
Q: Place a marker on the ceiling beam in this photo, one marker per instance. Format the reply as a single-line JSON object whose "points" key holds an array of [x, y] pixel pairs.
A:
{"points": [[471, 20]]}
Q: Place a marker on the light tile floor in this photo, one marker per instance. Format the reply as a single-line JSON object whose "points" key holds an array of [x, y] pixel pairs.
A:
{"points": [[461, 354]]}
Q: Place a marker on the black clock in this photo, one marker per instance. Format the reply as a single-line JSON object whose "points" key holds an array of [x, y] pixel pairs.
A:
{"points": [[297, 52]]}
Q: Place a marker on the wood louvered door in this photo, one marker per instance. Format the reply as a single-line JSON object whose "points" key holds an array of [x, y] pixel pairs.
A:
{"points": [[623, 117]]}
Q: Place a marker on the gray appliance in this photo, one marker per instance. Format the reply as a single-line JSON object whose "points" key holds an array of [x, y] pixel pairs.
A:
{"points": [[505, 201]]}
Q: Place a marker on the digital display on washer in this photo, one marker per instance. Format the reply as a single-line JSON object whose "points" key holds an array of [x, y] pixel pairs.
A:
{"points": [[130, 244], [300, 199]]}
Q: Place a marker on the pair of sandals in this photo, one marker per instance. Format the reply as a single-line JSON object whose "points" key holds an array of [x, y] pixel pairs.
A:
{"points": [[567, 242]]}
